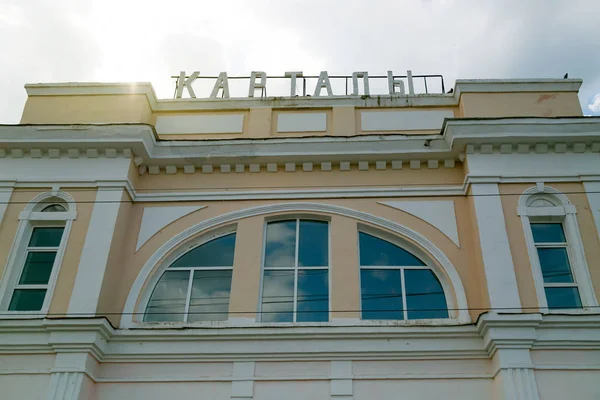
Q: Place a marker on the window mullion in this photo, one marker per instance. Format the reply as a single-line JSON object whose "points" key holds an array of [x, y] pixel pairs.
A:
{"points": [[403, 289], [188, 297], [295, 307]]}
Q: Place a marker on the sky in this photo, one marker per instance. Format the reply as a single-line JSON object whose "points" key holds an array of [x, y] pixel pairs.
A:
{"points": [[149, 41]]}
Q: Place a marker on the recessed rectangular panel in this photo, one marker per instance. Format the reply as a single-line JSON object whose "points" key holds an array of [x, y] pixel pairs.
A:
{"points": [[199, 124], [403, 120], [302, 122]]}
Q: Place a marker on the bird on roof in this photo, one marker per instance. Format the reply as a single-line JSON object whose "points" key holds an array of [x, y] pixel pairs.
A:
{"points": [[566, 76]]}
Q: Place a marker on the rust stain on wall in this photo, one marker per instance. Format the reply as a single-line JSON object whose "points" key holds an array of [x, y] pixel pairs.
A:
{"points": [[544, 97]]}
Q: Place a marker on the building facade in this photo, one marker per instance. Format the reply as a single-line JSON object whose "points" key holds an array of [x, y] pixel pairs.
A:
{"points": [[340, 247]]}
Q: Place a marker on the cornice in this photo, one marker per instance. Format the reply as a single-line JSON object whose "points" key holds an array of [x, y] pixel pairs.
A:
{"points": [[378, 341], [457, 139]]}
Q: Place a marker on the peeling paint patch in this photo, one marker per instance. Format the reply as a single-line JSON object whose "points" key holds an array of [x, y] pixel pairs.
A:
{"points": [[544, 97]]}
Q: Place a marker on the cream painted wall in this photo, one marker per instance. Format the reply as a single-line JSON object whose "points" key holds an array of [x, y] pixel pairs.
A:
{"points": [[574, 384], [538, 104], [245, 285], [86, 109]]}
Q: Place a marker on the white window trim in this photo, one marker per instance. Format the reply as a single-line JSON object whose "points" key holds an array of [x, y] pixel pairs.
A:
{"points": [[453, 312], [566, 213], [29, 219], [297, 218]]}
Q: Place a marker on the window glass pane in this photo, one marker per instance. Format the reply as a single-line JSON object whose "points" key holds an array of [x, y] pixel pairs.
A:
{"points": [[46, 237], [280, 250], [563, 297], [381, 294], [278, 296], [378, 252], [313, 295], [27, 300], [37, 268], [54, 208], [313, 244], [555, 265], [216, 253], [424, 295], [167, 302], [548, 233], [210, 296]]}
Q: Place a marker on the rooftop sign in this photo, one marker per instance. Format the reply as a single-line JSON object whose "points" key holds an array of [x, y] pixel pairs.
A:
{"points": [[395, 84]]}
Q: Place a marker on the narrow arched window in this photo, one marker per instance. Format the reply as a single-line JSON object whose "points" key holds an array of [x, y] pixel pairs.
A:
{"points": [[395, 284], [196, 286], [555, 250]]}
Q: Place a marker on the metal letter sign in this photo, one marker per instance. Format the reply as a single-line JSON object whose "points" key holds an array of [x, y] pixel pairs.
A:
{"points": [[396, 84]]}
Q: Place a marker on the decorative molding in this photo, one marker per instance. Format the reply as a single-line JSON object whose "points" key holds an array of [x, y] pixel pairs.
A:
{"points": [[156, 218], [382, 340], [495, 248], [5, 194], [95, 252], [438, 213], [199, 124], [519, 384], [592, 190], [446, 272], [65, 386], [341, 384], [242, 384]]}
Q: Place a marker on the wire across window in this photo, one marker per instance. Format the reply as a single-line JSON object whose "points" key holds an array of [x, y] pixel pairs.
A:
{"points": [[397, 285], [196, 287]]}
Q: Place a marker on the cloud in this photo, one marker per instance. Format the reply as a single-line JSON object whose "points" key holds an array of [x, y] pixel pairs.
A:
{"points": [[112, 40], [594, 106]]}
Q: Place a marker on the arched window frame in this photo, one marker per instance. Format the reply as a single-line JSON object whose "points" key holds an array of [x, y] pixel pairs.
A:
{"points": [[454, 313], [450, 279], [32, 217], [297, 217], [564, 212], [166, 262]]}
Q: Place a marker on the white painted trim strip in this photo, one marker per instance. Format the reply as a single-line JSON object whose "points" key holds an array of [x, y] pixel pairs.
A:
{"points": [[94, 256], [5, 194], [495, 248], [156, 218]]}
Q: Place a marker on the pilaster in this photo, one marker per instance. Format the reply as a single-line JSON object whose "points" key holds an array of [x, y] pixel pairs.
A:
{"points": [[495, 248], [96, 249]]}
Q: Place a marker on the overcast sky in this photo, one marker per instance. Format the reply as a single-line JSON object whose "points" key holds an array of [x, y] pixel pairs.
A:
{"points": [[135, 40]]}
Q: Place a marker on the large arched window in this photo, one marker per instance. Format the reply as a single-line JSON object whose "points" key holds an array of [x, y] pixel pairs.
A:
{"points": [[196, 286], [395, 284]]}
